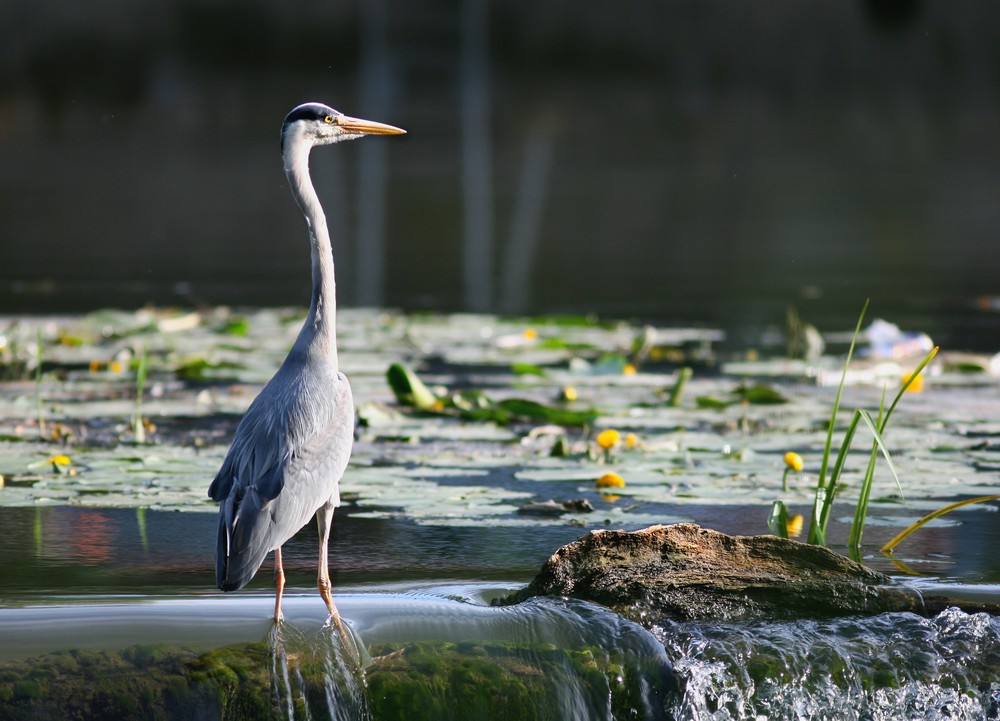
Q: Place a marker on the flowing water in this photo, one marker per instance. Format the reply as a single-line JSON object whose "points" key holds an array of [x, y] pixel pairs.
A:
{"points": [[894, 666]]}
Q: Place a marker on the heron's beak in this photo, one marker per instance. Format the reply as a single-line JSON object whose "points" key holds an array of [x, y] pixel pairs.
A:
{"points": [[368, 127]]}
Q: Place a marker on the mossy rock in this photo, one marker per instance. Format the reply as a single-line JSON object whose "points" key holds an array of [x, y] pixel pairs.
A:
{"points": [[437, 681], [138, 683], [440, 681], [684, 572]]}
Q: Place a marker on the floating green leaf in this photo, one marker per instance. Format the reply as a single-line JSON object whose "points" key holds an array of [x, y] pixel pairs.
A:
{"points": [[528, 369], [198, 368], [237, 326], [760, 395], [408, 388], [522, 409]]}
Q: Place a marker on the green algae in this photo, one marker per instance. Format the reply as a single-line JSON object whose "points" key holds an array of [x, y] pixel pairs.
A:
{"points": [[137, 683], [419, 680]]}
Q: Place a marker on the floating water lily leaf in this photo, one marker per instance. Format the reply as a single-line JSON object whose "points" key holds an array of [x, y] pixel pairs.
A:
{"points": [[528, 369], [712, 402], [760, 395], [533, 411], [408, 388], [567, 321], [197, 368], [237, 326], [474, 405]]}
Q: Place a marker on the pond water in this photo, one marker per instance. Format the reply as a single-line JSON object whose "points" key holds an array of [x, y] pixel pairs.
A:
{"points": [[93, 579], [108, 552]]}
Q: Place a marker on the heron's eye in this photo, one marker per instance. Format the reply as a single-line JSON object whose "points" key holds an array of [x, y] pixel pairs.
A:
{"points": [[328, 119]]}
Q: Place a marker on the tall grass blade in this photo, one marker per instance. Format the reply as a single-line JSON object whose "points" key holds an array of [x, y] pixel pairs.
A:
{"points": [[825, 494], [906, 384], [861, 510], [140, 384], [865, 492], [913, 527], [815, 530], [38, 384], [873, 427]]}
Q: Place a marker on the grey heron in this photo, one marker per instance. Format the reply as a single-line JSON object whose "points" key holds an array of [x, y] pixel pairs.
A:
{"points": [[292, 446]]}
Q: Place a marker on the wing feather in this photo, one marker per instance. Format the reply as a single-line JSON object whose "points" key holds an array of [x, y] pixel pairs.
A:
{"points": [[285, 462]]}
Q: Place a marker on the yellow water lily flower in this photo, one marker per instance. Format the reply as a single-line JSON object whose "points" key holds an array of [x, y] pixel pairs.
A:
{"points": [[631, 440], [629, 369], [794, 526], [610, 480], [794, 461], [609, 438], [530, 334], [569, 393], [62, 464]]}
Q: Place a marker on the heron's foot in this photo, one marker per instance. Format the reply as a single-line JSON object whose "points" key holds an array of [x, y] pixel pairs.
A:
{"points": [[347, 639]]}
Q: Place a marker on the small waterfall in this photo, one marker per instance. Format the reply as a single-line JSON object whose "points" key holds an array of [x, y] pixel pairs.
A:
{"points": [[317, 675], [893, 666], [438, 659], [449, 657]]}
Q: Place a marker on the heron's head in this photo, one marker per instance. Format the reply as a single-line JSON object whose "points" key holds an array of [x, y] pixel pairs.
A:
{"points": [[318, 124]]}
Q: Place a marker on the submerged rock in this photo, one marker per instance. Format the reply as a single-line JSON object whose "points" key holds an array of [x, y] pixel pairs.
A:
{"points": [[556, 508], [685, 572]]}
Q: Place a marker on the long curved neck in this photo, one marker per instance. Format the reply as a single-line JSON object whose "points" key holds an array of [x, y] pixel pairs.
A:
{"points": [[320, 328]]}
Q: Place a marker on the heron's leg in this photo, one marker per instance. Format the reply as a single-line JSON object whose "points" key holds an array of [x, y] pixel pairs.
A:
{"points": [[324, 517], [279, 583]]}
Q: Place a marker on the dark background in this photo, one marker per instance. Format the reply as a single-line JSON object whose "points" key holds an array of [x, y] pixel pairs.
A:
{"points": [[701, 161]]}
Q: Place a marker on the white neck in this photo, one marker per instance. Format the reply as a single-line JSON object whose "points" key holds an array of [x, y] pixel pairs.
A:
{"points": [[320, 328]]}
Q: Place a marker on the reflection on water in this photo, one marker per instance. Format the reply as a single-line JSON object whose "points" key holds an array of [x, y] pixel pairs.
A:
{"points": [[64, 550]]}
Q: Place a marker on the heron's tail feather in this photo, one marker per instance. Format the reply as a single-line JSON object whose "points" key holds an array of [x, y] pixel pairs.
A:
{"points": [[244, 540]]}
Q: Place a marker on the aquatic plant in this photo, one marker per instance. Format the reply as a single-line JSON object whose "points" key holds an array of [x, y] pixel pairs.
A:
{"points": [[793, 462], [683, 376], [610, 480], [827, 485], [139, 425], [474, 405], [38, 384], [917, 525], [759, 394]]}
